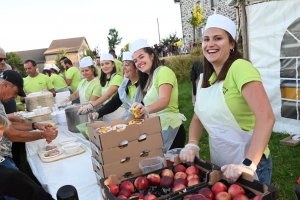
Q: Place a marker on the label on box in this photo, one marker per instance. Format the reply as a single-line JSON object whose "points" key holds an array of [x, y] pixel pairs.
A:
{"points": [[95, 162], [94, 147]]}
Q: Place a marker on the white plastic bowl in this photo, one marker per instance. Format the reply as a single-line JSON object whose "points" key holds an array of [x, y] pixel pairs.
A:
{"points": [[71, 147], [67, 140]]}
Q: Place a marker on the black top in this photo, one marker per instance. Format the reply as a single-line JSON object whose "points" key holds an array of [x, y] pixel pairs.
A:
{"points": [[195, 72], [10, 106], [110, 106]]}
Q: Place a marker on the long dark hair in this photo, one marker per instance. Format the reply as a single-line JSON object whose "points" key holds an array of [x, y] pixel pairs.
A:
{"points": [[143, 77], [137, 83], [104, 76], [208, 68]]}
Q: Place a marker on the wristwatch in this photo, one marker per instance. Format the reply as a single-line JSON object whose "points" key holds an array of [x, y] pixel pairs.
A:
{"points": [[33, 127], [247, 162]]}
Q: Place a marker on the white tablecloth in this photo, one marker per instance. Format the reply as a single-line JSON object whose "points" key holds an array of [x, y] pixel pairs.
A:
{"points": [[76, 170]]}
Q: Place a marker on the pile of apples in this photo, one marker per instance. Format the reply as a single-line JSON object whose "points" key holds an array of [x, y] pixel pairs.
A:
{"points": [[219, 191], [145, 187]]}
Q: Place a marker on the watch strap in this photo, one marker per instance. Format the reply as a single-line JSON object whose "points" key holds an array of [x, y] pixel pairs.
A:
{"points": [[248, 163]]}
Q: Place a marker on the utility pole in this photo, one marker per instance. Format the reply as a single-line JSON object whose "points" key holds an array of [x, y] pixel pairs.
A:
{"points": [[244, 30], [158, 31]]}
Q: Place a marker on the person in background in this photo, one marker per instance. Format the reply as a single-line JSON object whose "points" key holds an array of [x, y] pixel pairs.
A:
{"points": [[159, 89], [195, 72], [35, 81], [63, 74], [89, 88], [110, 81], [73, 77], [98, 66], [128, 92], [118, 63], [232, 106], [58, 82]]}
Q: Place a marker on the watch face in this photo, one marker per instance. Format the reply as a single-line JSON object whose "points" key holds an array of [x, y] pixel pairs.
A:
{"points": [[247, 162]]}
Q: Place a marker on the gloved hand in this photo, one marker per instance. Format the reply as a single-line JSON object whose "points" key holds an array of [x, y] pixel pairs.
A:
{"points": [[233, 171], [143, 109], [65, 101], [85, 109], [188, 153], [93, 116]]}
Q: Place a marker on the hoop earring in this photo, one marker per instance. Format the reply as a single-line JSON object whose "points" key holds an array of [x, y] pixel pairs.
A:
{"points": [[231, 50]]}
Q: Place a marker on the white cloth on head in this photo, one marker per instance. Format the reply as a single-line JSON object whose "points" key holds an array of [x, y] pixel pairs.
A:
{"points": [[55, 67], [127, 55], [106, 56], [47, 67], [138, 44], [222, 22], [86, 62]]}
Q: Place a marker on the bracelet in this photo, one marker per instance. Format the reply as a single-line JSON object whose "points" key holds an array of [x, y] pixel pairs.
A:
{"points": [[193, 141], [42, 135], [32, 124]]}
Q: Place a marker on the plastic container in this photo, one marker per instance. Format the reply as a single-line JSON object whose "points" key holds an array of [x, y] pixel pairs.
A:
{"points": [[171, 154], [152, 164], [71, 147], [67, 140]]}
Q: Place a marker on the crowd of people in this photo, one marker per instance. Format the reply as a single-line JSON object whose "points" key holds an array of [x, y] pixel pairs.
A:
{"points": [[230, 100]]}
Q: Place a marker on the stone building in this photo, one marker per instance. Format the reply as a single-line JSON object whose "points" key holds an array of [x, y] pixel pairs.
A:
{"points": [[209, 7]]}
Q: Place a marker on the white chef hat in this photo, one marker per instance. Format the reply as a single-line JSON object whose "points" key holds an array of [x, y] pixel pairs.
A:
{"points": [[47, 67], [220, 21], [55, 67], [138, 44], [127, 55], [86, 62], [106, 56]]}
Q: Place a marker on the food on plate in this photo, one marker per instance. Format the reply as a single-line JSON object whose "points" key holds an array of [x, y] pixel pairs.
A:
{"points": [[136, 121], [52, 153], [135, 112], [119, 127], [51, 125], [104, 129], [49, 147]]}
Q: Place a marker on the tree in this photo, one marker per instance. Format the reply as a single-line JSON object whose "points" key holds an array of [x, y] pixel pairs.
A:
{"points": [[126, 47], [89, 53], [171, 38], [197, 18], [113, 38], [62, 53], [96, 51], [14, 59]]}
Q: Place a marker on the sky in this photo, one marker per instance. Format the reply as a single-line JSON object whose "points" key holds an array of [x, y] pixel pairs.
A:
{"points": [[33, 24]]}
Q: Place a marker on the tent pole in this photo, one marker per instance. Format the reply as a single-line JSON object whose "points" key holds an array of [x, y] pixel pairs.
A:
{"points": [[244, 30]]}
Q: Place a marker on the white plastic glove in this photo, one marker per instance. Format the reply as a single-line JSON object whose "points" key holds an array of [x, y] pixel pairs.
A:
{"points": [[85, 109], [65, 101], [188, 153], [233, 171], [143, 109], [93, 116]]}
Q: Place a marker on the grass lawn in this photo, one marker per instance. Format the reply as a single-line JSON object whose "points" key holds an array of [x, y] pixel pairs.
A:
{"points": [[285, 159]]}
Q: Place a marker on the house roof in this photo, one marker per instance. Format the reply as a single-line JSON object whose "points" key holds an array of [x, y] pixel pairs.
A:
{"points": [[37, 55], [70, 44]]}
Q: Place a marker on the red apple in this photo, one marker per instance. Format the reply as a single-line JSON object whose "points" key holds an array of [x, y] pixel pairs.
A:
{"points": [[223, 196], [240, 197], [257, 198], [207, 193], [180, 180], [153, 179], [198, 197], [114, 189], [167, 172], [121, 197], [187, 197], [189, 177], [149, 197], [141, 183], [218, 187], [192, 170], [235, 189], [193, 181], [179, 168], [180, 175], [125, 193], [127, 185], [178, 186], [166, 182], [139, 195]]}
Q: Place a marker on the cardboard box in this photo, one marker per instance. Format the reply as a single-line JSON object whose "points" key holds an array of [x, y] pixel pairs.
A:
{"points": [[133, 149], [113, 138], [126, 169], [289, 141]]}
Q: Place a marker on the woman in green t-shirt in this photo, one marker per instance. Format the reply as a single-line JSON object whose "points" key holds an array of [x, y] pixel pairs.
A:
{"points": [[110, 81], [58, 82], [159, 89]]}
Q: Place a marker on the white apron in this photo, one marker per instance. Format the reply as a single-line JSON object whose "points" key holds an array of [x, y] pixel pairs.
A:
{"points": [[228, 143], [82, 90], [169, 134]]}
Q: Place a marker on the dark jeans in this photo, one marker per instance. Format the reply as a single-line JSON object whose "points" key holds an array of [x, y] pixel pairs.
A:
{"points": [[264, 169], [17, 149], [179, 140]]}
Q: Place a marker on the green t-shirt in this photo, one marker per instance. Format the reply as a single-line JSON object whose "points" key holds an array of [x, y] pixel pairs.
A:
{"points": [[58, 82], [20, 105], [37, 84], [94, 89], [74, 74], [119, 67], [240, 73], [116, 80], [99, 71], [131, 90]]}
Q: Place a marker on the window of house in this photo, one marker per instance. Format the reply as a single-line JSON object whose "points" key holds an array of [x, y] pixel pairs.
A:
{"points": [[213, 3]]}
